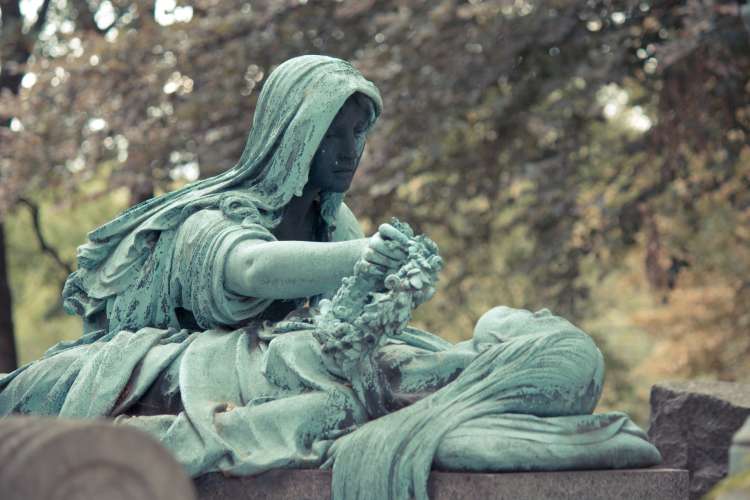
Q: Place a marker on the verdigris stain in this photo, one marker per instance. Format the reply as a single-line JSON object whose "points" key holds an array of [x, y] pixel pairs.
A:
{"points": [[247, 323]]}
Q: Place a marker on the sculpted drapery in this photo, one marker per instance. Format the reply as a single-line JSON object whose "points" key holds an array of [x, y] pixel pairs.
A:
{"points": [[168, 348], [298, 102]]}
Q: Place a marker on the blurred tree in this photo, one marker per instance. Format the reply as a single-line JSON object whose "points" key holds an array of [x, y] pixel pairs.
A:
{"points": [[24, 26], [16, 45], [8, 360], [542, 143]]}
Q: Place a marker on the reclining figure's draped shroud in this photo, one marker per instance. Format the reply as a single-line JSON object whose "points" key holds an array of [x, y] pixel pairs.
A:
{"points": [[168, 349]]}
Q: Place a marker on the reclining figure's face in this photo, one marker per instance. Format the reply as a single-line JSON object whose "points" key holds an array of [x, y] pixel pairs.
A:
{"points": [[337, 157]]}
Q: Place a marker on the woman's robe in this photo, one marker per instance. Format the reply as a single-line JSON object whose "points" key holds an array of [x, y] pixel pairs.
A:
{"points": [[240, 397], [169, 350]]}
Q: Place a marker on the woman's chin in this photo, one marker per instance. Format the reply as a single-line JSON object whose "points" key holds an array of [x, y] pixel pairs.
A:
{"points": [[341, 186]]}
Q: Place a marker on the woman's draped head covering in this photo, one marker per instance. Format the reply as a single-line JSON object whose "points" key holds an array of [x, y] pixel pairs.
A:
{"points": [[296, 106]]}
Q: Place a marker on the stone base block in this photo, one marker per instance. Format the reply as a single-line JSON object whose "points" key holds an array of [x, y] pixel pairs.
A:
{"points": [[692, 424], [626, 484]]}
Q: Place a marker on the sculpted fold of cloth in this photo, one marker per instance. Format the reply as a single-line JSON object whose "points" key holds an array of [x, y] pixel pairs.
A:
{"points": [[247, 323]]}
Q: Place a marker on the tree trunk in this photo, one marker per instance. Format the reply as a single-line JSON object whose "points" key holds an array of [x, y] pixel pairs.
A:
{"points": [[8, 360], [16, 51]]}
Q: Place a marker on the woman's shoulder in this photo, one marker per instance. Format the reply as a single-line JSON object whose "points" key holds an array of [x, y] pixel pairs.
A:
{"points": [[204, 217], [208, 221], [347, 226]]}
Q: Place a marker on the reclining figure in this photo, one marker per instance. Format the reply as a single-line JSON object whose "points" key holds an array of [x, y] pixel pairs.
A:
{"points": [[247, 323]]}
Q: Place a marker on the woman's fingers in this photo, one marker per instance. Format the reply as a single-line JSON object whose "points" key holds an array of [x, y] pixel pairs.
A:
{"points": [[375, 257], [374, 269], [387, 248], [391, 242], [391, 233]]}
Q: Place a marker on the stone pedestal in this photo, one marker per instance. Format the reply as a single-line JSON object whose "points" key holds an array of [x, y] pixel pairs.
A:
{"points": [[692, 424], [628, 484], [43, 458], [739, 452]]}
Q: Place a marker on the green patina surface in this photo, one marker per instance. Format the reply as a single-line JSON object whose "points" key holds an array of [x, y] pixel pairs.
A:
{"points": [[342, 381]]}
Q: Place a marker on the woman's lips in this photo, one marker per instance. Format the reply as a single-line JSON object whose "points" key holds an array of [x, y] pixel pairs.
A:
{"points": [[345, 166], [347, 170]]}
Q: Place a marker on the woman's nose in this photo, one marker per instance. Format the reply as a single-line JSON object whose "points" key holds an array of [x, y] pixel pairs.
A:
{"points": [[350, 147]]}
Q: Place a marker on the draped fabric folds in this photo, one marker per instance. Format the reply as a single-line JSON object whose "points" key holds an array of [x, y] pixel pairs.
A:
{"points": [[250, 403], [168, 349], [523, 403], [296, 105]]}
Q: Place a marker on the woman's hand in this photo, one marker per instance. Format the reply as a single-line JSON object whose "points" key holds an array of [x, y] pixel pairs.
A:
{"points": [[293, 269], [387, 249]]}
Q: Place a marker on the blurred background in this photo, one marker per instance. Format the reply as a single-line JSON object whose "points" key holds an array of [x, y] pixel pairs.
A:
{"points": [[589, 157]]}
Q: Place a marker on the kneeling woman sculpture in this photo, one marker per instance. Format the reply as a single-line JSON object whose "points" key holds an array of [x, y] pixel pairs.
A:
{"points": [[247, 323]]}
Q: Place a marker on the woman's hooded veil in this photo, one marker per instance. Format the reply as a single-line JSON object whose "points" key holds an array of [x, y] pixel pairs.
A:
{"points": [[295, 108]]}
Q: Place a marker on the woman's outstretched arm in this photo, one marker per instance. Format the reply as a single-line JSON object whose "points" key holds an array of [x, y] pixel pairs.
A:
{"points": [[290, 269], [294, 269]]}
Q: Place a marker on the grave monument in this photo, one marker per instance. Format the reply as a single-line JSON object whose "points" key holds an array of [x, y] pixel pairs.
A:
{"points": [[247, 324]]}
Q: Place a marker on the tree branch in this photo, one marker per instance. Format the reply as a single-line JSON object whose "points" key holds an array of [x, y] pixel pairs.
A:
{"points": [[41, 18], [45, 248], [86, 17], [11, 8]]}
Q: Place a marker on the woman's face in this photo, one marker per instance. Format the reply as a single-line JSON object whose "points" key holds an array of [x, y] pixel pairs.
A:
{"points": [[337, 157]]}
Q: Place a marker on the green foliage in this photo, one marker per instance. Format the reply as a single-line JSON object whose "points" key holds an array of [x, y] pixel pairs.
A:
{"points": [[591, 158], [36, 280], [734, 487]]}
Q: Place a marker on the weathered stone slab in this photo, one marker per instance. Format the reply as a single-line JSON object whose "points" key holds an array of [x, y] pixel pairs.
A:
{"points": [[43, 458], [739, 452], [692, 424], [626, 484]]}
